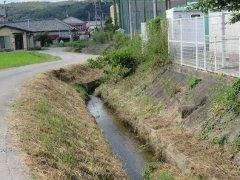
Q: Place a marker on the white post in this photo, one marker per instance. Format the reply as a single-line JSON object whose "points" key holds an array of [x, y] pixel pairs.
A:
{"points": [[144, 34], [223, 39], [215, 53], [181, 41], [239, 57], [204, 45], [130, 18], [196, 40]]}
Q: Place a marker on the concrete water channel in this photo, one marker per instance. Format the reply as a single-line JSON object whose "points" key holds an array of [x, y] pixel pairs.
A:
{"points": [[123, 143]]}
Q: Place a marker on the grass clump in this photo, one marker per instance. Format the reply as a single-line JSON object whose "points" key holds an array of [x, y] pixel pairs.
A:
{"points": [[151, 172], [220, 141], [237, 144], [82, 91], [21, 58], [228, 100], [149, 168], [164, 176], [192, 82]]}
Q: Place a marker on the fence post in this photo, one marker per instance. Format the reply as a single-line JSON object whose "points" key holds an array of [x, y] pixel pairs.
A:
{"points": [[223, 39], [204, 45], [181, 41], [215, 53], [196, 41]]}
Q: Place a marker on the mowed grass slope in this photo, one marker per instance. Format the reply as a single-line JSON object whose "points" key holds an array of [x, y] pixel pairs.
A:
{"points": [[20, 58], [59, 135]]}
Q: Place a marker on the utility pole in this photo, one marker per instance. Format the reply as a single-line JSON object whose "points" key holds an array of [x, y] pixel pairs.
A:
{"points": [[168, 4], [95, 12], [100, 13], [144, 10]]}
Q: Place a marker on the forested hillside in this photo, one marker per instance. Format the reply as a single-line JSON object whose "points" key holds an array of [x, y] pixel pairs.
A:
{"points": [[44, 10]]}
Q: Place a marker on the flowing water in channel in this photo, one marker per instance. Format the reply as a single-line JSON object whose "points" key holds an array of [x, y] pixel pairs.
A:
{"points": [[122, 142]]}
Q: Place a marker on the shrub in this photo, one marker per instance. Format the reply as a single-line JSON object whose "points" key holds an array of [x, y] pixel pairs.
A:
{"points": [[125, 55], [116, 64], [44, 39], [120, 39], [156, 48], [101, 36], [228, 100], [109, 26]]}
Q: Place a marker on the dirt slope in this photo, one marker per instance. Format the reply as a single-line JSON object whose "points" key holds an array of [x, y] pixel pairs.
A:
{"points": [[58, 134]]}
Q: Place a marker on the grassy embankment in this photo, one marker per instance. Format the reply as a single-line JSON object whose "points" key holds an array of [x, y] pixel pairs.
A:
{"points": [[15, 59], [189, 118], [58, 134]]}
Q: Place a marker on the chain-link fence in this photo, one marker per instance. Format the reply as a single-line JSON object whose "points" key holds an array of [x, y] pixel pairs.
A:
{"points": [[209, 43]]}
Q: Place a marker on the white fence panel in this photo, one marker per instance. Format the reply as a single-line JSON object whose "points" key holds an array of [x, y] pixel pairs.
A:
{"points": [[210, 44]]}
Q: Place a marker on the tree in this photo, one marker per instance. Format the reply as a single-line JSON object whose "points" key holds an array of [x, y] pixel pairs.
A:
{"points": [[218, 5]]}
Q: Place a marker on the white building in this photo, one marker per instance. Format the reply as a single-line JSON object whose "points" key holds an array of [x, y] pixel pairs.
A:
{"points": [[184, 24]]}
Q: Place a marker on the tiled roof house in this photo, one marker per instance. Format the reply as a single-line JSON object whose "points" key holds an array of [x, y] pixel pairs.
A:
{"points": [[20, 34]]}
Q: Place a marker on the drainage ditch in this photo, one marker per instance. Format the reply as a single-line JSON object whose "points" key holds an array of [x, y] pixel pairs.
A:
{"points": [[124, 144]]}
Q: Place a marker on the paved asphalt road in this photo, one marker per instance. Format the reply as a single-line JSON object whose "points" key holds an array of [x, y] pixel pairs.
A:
{"points": [[11, 80]]}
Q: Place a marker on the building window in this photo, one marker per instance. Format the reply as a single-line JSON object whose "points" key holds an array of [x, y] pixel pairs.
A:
{"points": [[5, 42], [195, 15]]}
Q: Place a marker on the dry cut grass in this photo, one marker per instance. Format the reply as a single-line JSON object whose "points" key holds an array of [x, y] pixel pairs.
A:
{"points": [[60, 137]]}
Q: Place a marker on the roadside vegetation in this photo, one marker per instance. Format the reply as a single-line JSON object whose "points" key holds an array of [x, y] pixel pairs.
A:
{"points": [[21, 58], [58, 134], [127, 55], [99, 42]]}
